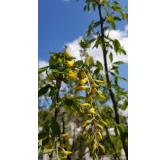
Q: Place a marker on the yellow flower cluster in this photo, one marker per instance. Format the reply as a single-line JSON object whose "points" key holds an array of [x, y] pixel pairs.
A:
{"points": [[72, 75], [69, 62], [91, 86]]}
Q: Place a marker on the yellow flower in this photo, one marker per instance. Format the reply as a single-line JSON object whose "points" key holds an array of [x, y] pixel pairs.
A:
{"points": [[99, 135], [102, 147], [83, 75], [89, 76], [99, 81], [67, 54], [80, 87], [47, 151], [101, 96], [92, 111], [83, 87], [99, 92], [95, 85], [104, 123], [69, 63], [72, 75], [94, 90], [65, 135], [83, 81], [63, 145], [95, 145], [85, 104], [64, 157], [100, 127], [83, 124], [67, 152]]}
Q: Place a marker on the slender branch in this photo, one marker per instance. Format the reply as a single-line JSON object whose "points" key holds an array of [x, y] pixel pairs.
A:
{"points": [[83, 155], [115, 104], [112, 143]]}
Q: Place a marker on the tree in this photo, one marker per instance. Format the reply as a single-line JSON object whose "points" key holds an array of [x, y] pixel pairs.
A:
{"points": [[86, 101]]}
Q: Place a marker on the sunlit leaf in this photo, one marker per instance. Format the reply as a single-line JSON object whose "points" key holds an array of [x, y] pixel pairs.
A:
{"points": [[40, 70]]}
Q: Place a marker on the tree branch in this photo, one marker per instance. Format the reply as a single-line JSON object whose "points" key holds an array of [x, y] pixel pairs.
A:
{"points": [[115, 104]]}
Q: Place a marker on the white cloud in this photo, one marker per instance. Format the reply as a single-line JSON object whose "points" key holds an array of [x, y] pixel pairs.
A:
{"points": [[73, 48], [121, 36], [42, 63]]}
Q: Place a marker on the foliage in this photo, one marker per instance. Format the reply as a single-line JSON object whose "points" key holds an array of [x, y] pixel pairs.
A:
{"points": [[90, 100]]}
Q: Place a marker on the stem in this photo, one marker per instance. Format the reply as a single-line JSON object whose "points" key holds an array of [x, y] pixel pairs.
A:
{"points": [[115, 104], [57, 150], [112, 143], [83, 155]]}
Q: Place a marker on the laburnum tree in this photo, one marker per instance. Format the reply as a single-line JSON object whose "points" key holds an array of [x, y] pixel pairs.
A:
{"points": [[88, 107]]}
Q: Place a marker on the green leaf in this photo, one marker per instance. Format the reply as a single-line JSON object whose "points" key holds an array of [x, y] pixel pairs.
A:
{"points": [[116, 45], [116, 80], [125, 104], [55, 128], [42, 135], [119, 62], [53, 53], [52, 62], [114, 70], [117, 18], [123, 130], [99, 64], [92, 40], [45, 142], [88, 60], [88, 7], [112, 23], [106, 11], [124, 16], [116, 3], [94, 6], [40, 70], [96, 24], [39, 150], [57, 71], [79, 97], [122, 78], [111, 57], [76, 108], [121, 50], [44, 90], [85, 8], [116, 8], [97, 71], [40, 142], [68, 102], [79, 63], [106, 28]]}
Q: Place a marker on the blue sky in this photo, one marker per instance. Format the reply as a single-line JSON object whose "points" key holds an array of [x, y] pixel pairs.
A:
{"points": [[61, 22]]}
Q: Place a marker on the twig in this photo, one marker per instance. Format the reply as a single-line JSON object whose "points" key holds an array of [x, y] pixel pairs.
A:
{"points": [[83, 155]]}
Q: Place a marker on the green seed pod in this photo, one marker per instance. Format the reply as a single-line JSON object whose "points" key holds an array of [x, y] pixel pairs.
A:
{"points": [[100, 127], [104, 123], [102, 148], [99, 136]]}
